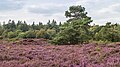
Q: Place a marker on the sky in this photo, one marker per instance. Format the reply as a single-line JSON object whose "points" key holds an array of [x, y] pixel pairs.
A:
{"points": [[101, 11]]}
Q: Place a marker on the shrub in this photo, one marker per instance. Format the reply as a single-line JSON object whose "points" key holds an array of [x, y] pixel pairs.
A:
{"points": [[100, 42], [12, 35], [18, 31], [107, 34], [51, 33], [1, 37], [12, 39], [5, 34], [1, 31], [42, 34], [30, 34], [22, 35], [60, 40]]}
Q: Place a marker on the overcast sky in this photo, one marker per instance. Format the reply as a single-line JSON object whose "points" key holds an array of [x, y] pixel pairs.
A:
{"points": [[101, 11]]}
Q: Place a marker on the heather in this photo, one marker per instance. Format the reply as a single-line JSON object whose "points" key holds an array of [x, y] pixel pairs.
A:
{"points": [[46, 55]]}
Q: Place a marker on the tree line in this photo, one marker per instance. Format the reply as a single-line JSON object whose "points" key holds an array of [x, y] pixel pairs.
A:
{"points": [[75, 30], [21, 29]]}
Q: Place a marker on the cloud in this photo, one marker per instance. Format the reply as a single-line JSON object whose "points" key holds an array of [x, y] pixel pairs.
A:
{"points": [[31, 9], [48, 10], [111, 9], [101, 11], [6, 5], [49, 7], [55, 1]]}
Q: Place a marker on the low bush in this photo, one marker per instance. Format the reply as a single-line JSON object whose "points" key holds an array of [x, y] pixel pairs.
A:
{"points": [[11, 35], [1, 37]]}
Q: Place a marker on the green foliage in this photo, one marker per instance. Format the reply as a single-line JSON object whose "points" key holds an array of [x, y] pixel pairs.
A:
{"points": [[12, 39], [98, 48], [23, 27], [22, 35], [51, 33], [47, 34], [11, 26], [75, 13], [5, 33], [18, 31], [12, 35], [100, 42], [1, 37], [41, 33], [60, 40], [30, 34], [109, 33], [76, 29], [1, 31]]}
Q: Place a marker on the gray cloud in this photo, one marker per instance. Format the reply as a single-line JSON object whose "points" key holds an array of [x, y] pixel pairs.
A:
{"points": [[51, 1], [100, 10], [49, 7], [10, 5], [47, 10]]}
